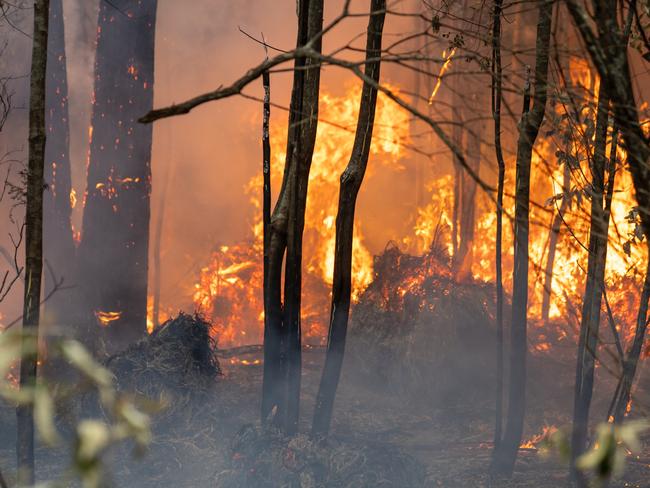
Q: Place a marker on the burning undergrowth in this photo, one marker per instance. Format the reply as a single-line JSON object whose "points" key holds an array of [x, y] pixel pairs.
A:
{"points": [[175, 359], [264, 458], [420, 332]]}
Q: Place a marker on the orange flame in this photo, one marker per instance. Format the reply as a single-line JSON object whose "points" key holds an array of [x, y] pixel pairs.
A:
{"points": [[445, 66], [106, 318]]}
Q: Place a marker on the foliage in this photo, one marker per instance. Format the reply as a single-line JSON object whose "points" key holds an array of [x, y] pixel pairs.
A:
{"points": [[606, 458], [124, 419]]}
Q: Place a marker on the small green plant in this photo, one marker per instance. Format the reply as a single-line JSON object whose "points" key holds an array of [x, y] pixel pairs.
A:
{"points": [[605, 460], [123, 420]]}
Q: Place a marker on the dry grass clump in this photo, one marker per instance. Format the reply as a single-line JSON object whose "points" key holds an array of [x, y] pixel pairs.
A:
{"points": [[177, 358], [420, 332]]}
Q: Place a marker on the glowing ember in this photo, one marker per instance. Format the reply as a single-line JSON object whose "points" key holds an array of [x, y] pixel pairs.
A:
{"points": [[106, 318], [537, 439], [447, 57]]}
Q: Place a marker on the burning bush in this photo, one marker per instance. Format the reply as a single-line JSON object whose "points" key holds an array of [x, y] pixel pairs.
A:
{"points": [[420, 332], [264, 459], [178, 357]]}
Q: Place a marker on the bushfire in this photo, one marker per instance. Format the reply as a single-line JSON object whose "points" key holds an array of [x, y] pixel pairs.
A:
{"points": [[229, 289]]}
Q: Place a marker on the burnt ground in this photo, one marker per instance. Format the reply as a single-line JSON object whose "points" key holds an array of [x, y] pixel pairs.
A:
{"points": [[195, 440]]}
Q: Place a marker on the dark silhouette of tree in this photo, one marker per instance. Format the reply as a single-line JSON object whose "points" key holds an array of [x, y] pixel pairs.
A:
{"points": [[351, 181], [505, 453], [33, 239], [592, 301], [59, 248], [282, 348], [113, 253], [497, 96]]}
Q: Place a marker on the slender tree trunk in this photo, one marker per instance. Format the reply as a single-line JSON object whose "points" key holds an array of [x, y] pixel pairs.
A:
{"points": [[114, 249], [59, 249], [497, 94], [296, 223], [554, 236], [270, 356], [506, 452], [590, 321], [275, 362], [282, 351], [351, 181], [634, 354], [33, 238]]}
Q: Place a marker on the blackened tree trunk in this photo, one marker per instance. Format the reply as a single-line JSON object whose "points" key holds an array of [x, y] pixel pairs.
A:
{"points": [[33, 239], [633, 355], [505, 454], [282, 350], [113, 252], [497, 94], [592, 302], [275, 363], [271, 337], [59, 249], [304, 150], [351, 180]]}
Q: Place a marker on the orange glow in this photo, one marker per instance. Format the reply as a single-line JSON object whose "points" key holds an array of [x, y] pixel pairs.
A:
{"points": [[229, 291], [106, 318], [534, 441], [445, 66]]}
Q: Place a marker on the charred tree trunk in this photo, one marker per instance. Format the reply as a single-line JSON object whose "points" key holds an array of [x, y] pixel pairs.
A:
{"points": [[271, 338], [497, 94], [505, 453], [282, 352], [33, 239], [275, 363], [590, 320], [59, 249], [351, 180], [554, 236], [114, 249], [304, 150], [634, 354]]}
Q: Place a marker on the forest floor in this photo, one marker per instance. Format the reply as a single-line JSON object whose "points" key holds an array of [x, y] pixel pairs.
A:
{"points": [[194, 442]]}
